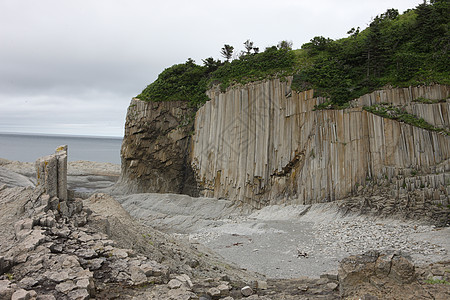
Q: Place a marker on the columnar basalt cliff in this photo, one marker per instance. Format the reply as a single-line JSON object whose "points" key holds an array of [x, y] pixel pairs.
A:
{"points": [[155, 148], [263, 143]]}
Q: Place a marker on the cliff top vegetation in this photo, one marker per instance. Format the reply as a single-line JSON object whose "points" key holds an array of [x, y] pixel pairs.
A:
{"points": [[394, 50]]}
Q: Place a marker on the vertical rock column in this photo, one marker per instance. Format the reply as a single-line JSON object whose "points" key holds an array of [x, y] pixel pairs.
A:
{"points": [[61, 157], [51, 173]]}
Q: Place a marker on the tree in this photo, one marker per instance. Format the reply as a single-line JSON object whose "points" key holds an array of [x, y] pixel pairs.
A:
{"points": [[248, 46], [286, 45], [227, 52], [211, 64]]}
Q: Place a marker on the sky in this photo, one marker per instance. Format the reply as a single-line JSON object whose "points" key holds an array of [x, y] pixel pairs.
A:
{"points": [[72, 67]]}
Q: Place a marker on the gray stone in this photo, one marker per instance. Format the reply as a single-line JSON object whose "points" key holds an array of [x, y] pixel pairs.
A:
{"points": [[78, 294], [46, 297], [32, 240], [27, 282], [185, 279], [61, 155], [138, 275], [5, 290], [214, 292], [262, 285], [65, 287], [47, 174], [23, 295], [174, 284], [246, 291]]}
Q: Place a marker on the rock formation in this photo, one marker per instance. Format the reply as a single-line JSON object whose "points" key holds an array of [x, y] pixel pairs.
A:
{"points": [[263, 143], [51, 173], [155, 148]]}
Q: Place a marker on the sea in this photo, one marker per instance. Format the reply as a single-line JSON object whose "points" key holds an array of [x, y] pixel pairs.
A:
{"points": [[29, 147]]}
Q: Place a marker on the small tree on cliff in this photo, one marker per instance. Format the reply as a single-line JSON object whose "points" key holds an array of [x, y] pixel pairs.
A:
{"points": [[227, 52]]}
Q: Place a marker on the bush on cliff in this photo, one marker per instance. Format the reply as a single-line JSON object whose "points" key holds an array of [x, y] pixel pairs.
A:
{"points": [[181, 82], [396, 50], [189, 82]]}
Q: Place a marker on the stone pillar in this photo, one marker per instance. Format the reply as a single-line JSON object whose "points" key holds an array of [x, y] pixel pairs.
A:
{"points": [[51, 173], [61, 155]]}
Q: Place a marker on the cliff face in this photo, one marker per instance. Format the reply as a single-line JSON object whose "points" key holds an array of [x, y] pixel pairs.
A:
{"points": [[262, 143], [155, 148]]}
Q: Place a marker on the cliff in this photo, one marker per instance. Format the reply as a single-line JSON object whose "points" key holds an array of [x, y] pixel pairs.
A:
{"points": [[263, 143], [155, 148]]}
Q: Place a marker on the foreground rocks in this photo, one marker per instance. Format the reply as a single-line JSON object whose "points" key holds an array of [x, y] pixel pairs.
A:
{"points": [[67, 248]]}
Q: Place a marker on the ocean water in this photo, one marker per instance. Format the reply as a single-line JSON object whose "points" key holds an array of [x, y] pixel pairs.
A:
{"points": [[29, 147]]}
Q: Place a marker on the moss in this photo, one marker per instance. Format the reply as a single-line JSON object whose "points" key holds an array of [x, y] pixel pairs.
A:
{"points": [[437, 281], [392, 112], [429, 101]]}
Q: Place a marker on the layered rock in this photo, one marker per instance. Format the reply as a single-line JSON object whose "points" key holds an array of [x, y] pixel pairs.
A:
{"points": [[263, 143], [155, 148]]}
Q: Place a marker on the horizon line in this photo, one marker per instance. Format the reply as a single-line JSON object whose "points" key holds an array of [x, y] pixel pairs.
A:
{"points": [[60, 135]]}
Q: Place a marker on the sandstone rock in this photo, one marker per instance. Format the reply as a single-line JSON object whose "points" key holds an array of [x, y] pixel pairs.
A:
{"points": [[246, 291]]}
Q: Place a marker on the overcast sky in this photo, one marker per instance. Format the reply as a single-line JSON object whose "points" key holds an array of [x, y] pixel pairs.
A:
{"points": [[72, 67]]}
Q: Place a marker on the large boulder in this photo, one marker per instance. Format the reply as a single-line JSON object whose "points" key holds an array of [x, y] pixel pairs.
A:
{"points": [[375, 275]]}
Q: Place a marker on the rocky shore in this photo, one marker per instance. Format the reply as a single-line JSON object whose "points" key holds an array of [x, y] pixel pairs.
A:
{"points": [[178, 247]]}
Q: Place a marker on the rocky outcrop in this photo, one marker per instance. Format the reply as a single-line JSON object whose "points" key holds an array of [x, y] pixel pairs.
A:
{"points": [[155, 148], [375, 275], [263, 144]]}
